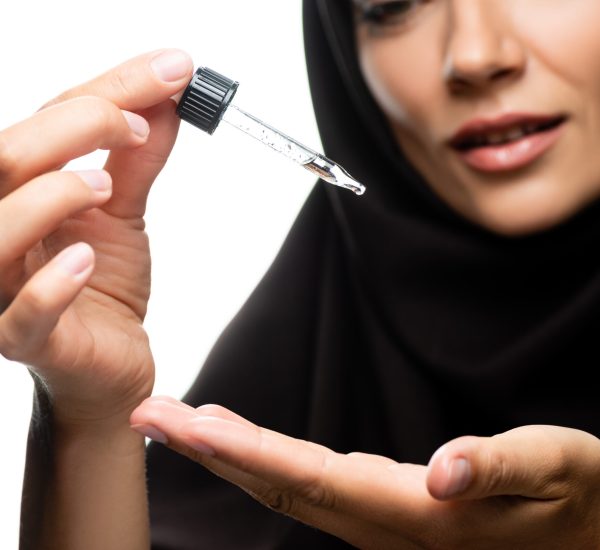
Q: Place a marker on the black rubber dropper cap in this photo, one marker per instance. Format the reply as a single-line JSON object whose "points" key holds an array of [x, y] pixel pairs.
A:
{"points": [[206, 98]]}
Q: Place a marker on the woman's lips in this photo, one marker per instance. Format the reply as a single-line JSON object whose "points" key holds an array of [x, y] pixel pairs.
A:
{"points": [[512, 155]]}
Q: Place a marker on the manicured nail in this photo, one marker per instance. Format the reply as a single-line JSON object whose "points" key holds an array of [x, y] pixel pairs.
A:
{"points": [[138, 124], [151, 432], [98, 180], [459, 476], [171, 65], [76, 259]]}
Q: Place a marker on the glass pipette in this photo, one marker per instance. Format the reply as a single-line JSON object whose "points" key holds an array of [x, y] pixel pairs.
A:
{"points": [[207, 100]]}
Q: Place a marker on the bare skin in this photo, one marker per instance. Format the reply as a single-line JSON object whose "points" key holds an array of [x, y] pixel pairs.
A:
{"points": [[446, 62], [535, 487], [76, 319], [75, 281]]}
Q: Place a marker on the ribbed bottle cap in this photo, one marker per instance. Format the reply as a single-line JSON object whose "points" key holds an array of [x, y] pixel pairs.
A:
{"points": [[206, 97]]}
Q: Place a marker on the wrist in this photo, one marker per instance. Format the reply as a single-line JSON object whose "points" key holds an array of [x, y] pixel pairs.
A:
{"points": [[115, 442], [97, 427], [89, 415], [100, 391]]}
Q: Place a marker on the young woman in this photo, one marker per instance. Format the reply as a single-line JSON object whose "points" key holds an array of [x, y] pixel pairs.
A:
{"points": [[446, 318]]}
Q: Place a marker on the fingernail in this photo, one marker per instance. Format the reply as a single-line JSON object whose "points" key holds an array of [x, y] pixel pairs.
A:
{"points": [[171, 65], [151, 432], [138, 124], [76, 259], [98, 180], [459, 476]]}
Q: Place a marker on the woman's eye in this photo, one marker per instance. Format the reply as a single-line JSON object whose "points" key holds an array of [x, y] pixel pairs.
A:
{"points": [[393, 12]]}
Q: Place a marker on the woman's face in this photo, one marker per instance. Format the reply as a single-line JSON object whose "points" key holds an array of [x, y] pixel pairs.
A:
{"points": [[495, 102]]}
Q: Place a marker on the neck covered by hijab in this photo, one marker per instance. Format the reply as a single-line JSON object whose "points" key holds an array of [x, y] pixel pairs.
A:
{"points": [[387, 323]]}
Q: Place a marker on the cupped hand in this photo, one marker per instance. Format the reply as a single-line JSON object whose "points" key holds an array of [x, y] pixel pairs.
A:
{"points": [[74, 257], [534, 487]]}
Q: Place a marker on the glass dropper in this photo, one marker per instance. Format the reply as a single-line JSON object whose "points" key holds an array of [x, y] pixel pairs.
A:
{"points": [[207, 100]]}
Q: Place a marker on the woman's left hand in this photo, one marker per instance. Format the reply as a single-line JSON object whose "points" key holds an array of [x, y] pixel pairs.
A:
{"points": [[531, 487]]}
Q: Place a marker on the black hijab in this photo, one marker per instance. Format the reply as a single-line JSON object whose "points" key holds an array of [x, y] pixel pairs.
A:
{"points": [[387, 323]]}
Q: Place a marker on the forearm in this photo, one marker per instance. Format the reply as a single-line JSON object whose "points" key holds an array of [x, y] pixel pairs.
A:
{"points": [[84, 486]]}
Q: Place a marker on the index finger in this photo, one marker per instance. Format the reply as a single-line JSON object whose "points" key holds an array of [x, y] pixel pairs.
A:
{"points": [[138, 83]]}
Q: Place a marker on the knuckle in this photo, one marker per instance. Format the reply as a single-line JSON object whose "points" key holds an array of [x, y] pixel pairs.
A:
{"points": [[98, 112], [212, 410], [149, 157], [310, 493], [316, 494], [113, 83], [557, 475], [315, 490], [34, 301], [119, 81], [499, 472], [278, 500]]}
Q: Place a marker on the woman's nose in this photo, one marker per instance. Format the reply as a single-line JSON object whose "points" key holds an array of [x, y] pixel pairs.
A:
{"points": [[481, 48]]}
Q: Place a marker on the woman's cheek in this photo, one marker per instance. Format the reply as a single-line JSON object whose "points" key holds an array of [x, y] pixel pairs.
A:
{"points": [[563, 36], [402, 83]]}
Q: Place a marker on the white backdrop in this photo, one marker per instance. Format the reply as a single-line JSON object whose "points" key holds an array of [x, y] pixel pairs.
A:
{"points": [[220, 209]]}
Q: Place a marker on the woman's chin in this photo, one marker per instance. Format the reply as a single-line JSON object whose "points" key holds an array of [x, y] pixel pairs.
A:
{"points": [[522, 218]]}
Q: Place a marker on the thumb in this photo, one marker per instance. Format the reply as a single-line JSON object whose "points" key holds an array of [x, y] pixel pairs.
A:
{"points": [[539, 462]]}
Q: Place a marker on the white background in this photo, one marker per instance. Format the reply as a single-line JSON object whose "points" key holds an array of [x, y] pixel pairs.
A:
{"points": [[221, 208]]}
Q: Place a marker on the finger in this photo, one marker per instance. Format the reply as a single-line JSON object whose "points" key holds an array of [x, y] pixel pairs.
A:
{"points": [[216, 411], [27, 323], [161, 409], [135, 169], [538, 462], [186, 425], [157, 412], [139, 82], [169, 423], [59, 134], [36, 209], [203, 410], [170, 400], [357, 497], [291, 476]]}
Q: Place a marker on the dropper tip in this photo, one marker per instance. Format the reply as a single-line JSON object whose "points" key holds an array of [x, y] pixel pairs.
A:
{"points": [[342, 178]]}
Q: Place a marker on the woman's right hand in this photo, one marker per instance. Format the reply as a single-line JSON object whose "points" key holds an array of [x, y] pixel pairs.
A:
{"points": [[74, 257]]}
